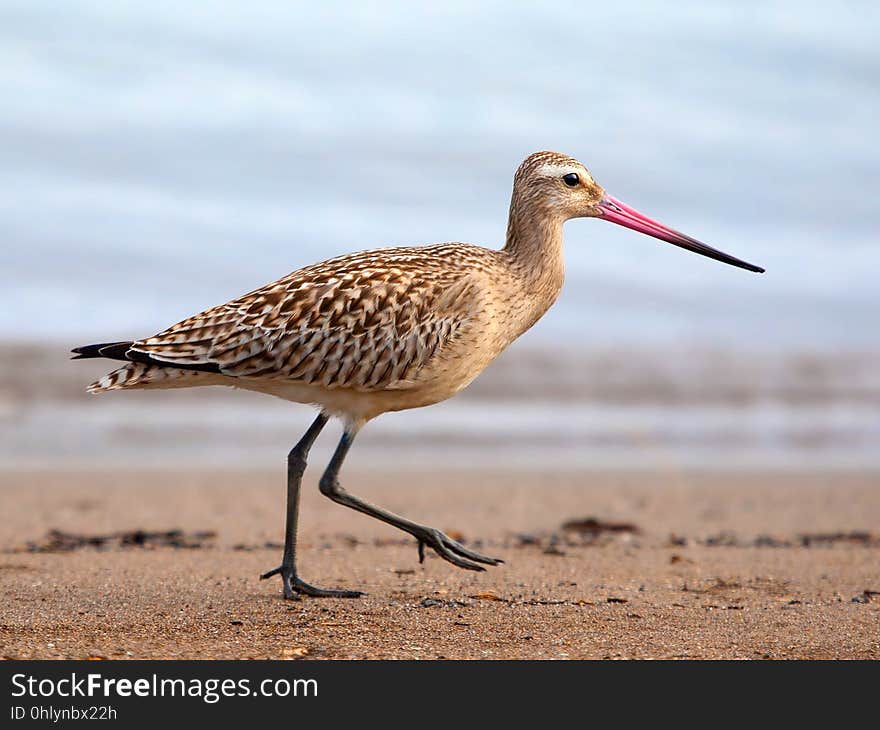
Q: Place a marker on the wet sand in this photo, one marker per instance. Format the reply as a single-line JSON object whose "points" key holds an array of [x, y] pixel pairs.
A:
{"points": [[693, 565]]}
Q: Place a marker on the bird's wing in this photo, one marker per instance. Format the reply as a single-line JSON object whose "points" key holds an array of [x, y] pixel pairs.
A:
{"points": [[366, 324]]}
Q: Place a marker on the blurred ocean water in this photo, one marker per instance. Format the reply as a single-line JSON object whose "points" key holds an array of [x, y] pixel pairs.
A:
{"points": [[613, 408], [159, 158], [162, 157]]}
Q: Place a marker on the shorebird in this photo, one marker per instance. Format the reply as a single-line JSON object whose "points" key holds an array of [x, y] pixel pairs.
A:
{"points": [[384, 330]]}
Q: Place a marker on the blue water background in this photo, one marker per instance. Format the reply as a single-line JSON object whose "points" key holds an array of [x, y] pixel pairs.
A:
{"points": [[162, 157]]}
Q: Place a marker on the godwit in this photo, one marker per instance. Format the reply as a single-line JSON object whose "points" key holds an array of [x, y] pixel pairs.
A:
{"points": [[384, 330]]}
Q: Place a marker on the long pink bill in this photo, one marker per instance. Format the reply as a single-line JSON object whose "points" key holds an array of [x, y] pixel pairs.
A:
{"points": [[616, 212]]}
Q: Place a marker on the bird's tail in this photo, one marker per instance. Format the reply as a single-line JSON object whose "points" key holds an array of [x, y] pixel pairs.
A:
{"points": [[130, 375], [142, 375], [137, 374]]}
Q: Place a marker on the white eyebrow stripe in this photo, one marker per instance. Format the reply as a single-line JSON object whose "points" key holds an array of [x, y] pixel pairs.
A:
{"points": [[550, 169]]}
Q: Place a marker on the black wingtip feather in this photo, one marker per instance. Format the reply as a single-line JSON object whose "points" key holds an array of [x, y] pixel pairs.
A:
{"points": [[122, 351], [110, 350]]}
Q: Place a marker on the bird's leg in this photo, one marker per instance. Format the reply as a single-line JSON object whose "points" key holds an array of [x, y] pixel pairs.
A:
{"points": [[296, 465], [442, 544]]}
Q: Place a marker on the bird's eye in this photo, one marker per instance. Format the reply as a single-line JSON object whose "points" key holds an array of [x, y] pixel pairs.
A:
{"points": [[571, 179]]}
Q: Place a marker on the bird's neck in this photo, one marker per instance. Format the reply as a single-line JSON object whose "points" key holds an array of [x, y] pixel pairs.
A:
{"points": [[534, 252]]}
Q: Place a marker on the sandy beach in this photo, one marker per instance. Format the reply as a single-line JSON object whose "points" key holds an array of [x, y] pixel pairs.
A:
{"points": [[684, 565]]}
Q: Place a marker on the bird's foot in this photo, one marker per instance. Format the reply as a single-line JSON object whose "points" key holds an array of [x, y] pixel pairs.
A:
{"points": [[294, 586], [451, 550]]}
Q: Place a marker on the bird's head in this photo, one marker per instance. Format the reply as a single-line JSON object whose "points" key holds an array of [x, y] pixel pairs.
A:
{"points": [[560, 187]]}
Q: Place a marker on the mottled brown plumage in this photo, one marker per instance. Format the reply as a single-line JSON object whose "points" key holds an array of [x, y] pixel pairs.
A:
{"points": [[380, 330]]}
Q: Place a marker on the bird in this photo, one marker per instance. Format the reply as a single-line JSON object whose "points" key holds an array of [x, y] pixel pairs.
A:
{"points": [[384, 330]]}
